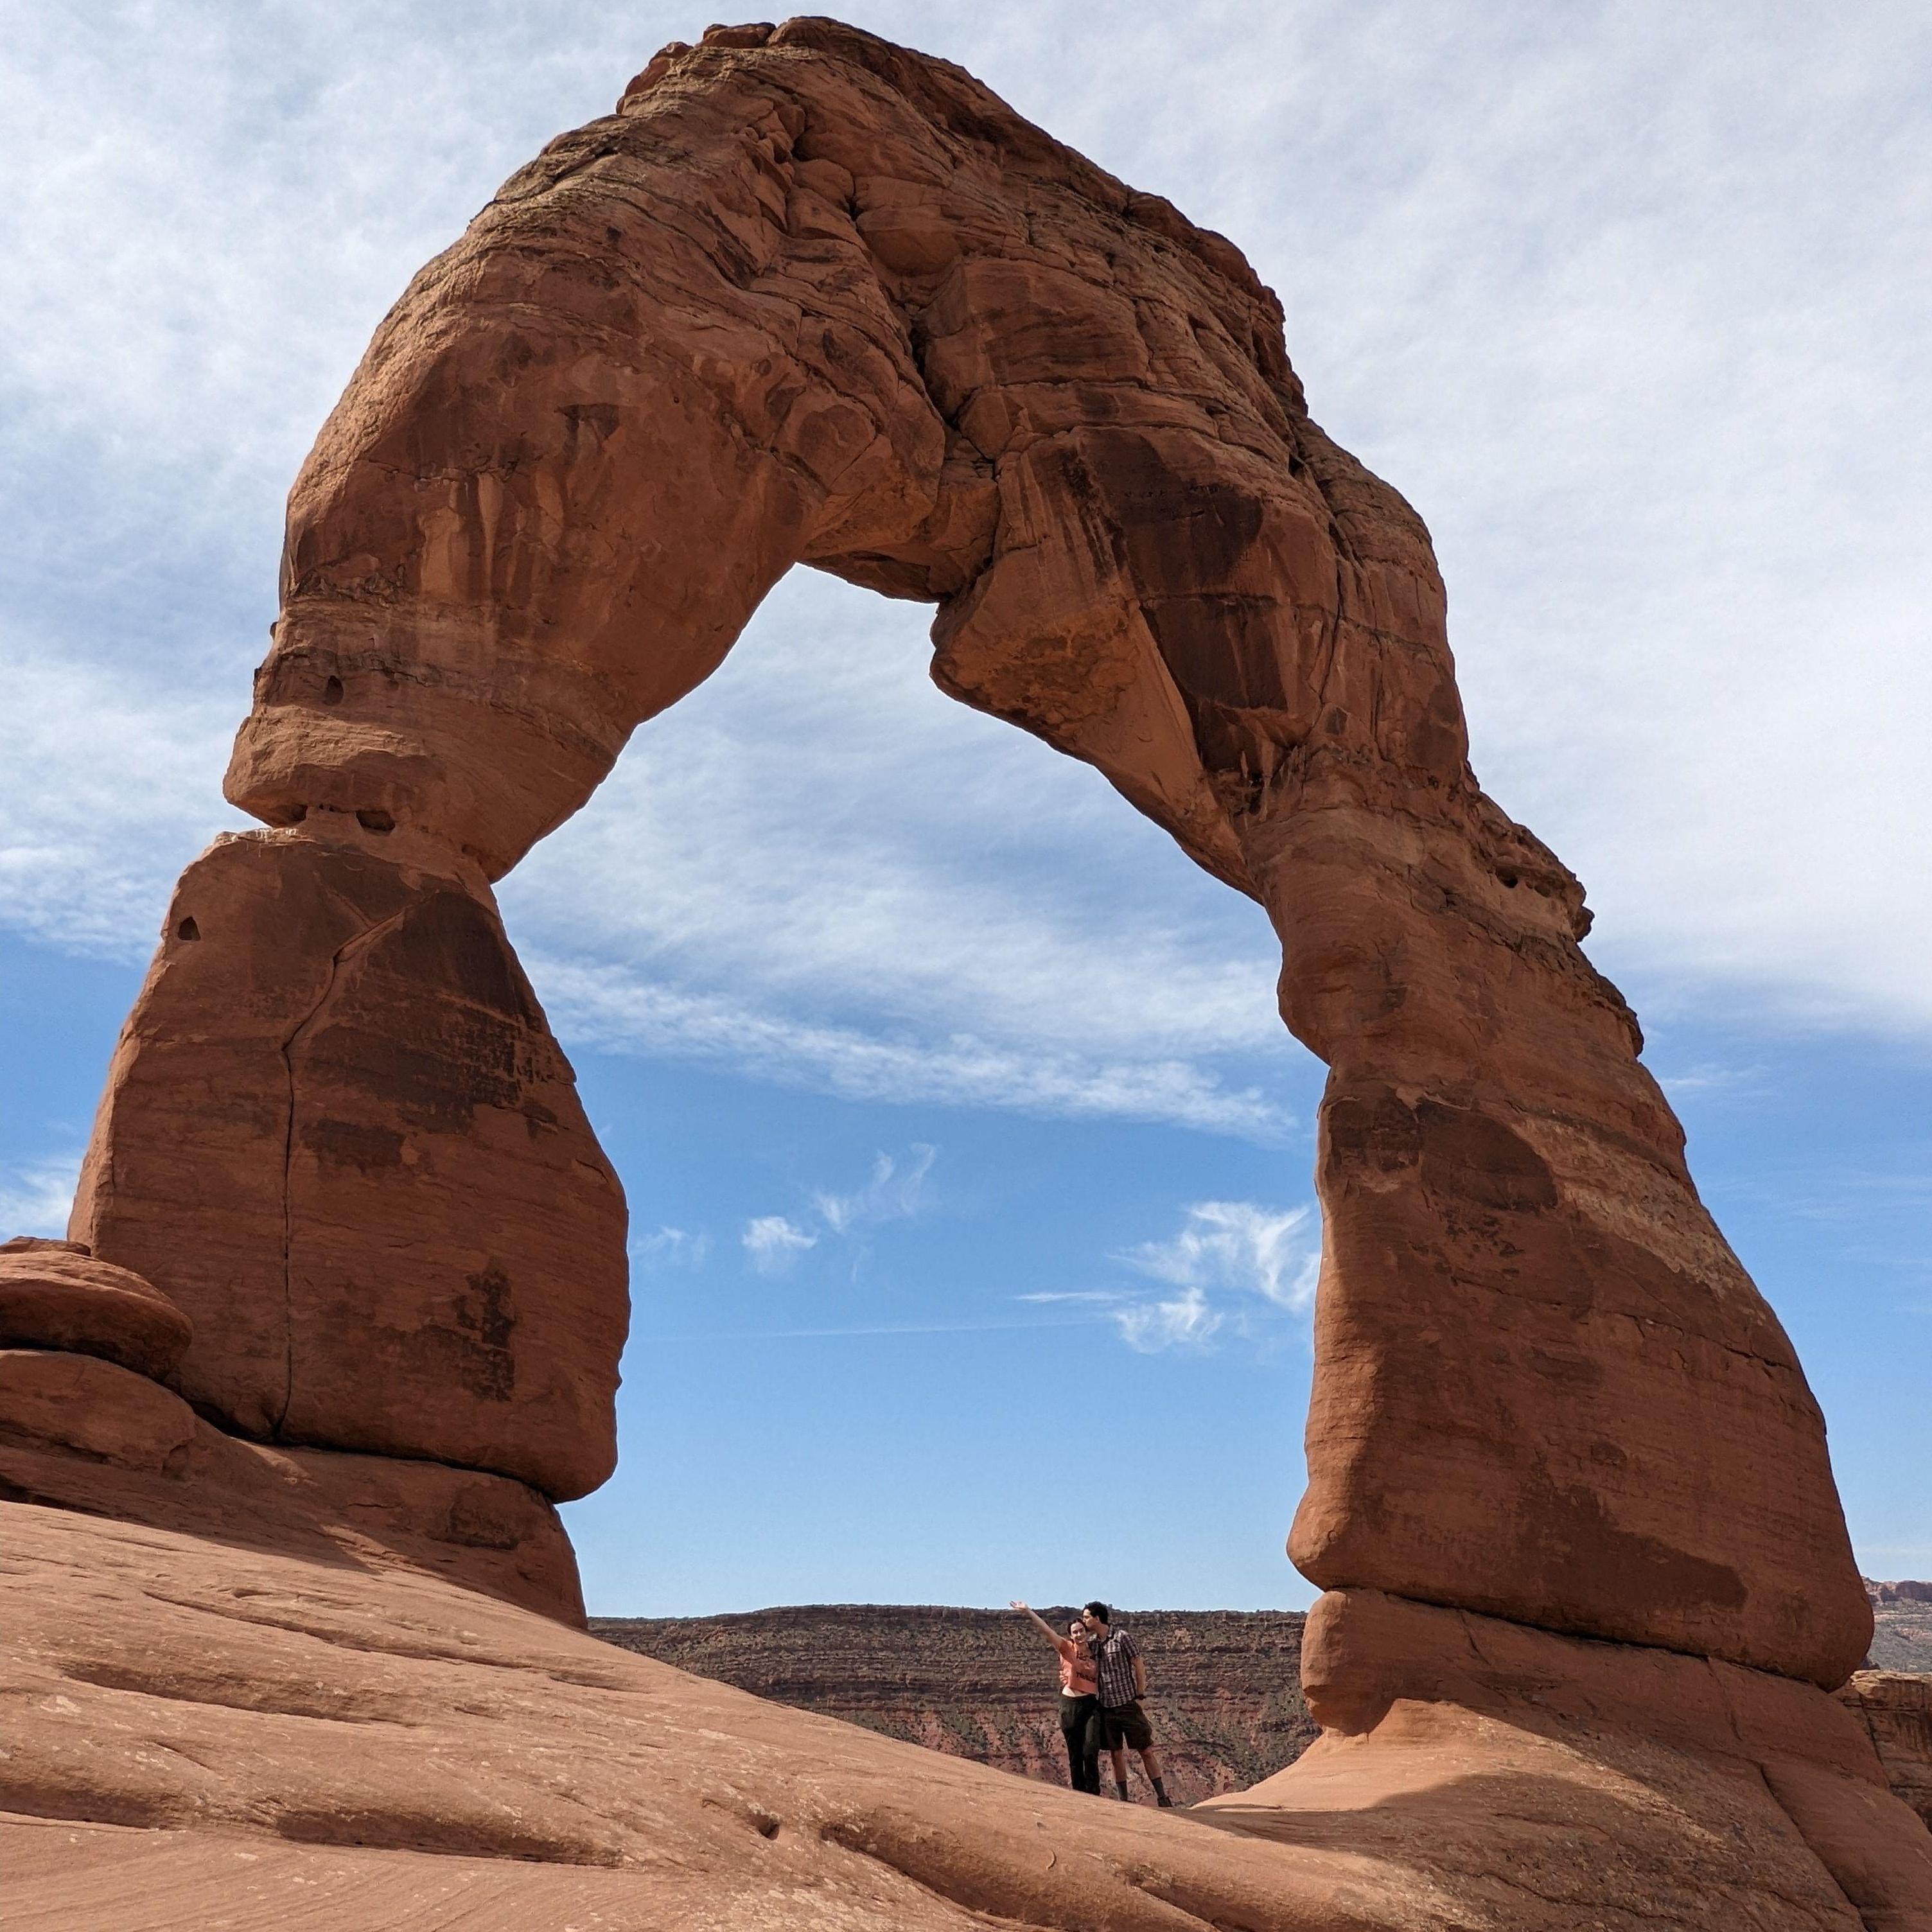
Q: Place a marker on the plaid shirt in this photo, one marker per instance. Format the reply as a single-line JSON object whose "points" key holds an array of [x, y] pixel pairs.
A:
{"points": [[1113, 1661]]}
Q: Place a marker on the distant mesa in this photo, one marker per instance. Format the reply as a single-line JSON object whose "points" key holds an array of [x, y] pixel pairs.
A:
{"points": [[1907, 1592]]}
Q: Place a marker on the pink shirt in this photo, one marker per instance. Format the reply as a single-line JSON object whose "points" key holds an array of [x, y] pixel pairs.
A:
{"points": [[1077, 1677]]}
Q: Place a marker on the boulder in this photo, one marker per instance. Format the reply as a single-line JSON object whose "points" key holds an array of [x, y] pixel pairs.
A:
{"points": [[54, 1294], [82, 1435], [92, 1409]]}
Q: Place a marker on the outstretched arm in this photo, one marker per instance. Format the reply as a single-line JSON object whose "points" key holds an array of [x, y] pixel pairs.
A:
{"points": [[1047, 1631]]}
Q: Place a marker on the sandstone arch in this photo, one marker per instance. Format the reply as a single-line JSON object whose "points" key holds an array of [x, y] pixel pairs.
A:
{"points": [[807, 298]]}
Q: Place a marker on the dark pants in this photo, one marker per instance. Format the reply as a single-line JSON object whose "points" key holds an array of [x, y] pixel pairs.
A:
{"points": [[1080, 1725]]}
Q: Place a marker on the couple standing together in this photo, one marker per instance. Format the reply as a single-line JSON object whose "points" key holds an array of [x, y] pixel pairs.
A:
{"points": [[1101, 1682]]}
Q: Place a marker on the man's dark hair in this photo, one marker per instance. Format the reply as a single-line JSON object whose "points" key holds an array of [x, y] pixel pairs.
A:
{"points": [[1097, 1609]]}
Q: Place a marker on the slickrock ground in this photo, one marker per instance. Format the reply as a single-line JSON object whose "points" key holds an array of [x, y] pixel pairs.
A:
{"points": [[1225, 1685], [1226, 1696], [199, 1733]]}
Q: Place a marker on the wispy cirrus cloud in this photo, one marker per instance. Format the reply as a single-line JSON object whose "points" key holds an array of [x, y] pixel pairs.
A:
{"points": [[1559, 278], [893, 1192], [1184, 1320], [37, 1196], [1275, 1253], [615, 1009], [666, 1247], [775, 1241], [1236, 1266]]}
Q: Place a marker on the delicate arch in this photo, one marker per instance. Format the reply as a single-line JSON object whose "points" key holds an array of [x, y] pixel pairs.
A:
{"points": [[806, 297]]}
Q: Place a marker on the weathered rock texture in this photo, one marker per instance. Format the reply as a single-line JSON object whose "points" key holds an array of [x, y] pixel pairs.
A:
{"points": [[338, 1133], [1895, 1708], [1225, 1685], [808, 297], [81, 1434], [1901, 1626]]}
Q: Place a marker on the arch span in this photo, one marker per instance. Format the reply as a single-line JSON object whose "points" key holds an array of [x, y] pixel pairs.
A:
{"points": [[806, 297]]}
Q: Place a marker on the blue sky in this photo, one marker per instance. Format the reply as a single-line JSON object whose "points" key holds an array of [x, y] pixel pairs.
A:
{"points": [[968, 1163]]}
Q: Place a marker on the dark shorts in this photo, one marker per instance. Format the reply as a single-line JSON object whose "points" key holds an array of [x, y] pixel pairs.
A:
{"points": [[1125, 1724]]}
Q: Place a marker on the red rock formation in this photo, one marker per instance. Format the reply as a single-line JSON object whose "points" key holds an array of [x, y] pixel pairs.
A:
{"points": [[1895, 1708], [79, 1433], [818, 299], [54, 1294], [361, 1749], [338, 1133], [808, 297]]}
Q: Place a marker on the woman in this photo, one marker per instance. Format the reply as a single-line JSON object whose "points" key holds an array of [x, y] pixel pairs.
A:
{"points": [[1079, 1700]]}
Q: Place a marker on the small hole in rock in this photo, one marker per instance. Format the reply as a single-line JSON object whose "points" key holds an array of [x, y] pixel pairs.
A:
{"points": [[375, 821], [1507, 878], [331, 690], [187, 929]]}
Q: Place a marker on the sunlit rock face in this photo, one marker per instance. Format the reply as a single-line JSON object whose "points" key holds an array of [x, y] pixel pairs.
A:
{"points": [[808, 297]]}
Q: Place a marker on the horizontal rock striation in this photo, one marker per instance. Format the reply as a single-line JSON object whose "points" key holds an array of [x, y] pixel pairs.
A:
{"points": [[1895, 1708]]}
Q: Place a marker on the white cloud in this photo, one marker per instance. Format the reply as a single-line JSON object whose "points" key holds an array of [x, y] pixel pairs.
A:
{"points": [[1238, 1268], [670, 1248], [1275, 1253], [1628, 304], [893, 1194], [615, 1010], [1186, 1322], [37, 1198], [1707, 1077], [775, 1243], [110, 785]]}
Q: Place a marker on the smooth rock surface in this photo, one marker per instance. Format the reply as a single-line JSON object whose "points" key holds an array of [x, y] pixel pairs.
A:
{"points": [[809, 296], [94, 1409], [395, 1752], [338, 1133], [80, 1434]]}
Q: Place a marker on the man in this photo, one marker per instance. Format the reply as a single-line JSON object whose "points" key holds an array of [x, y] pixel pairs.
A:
{"points": [[1122, 1684]]}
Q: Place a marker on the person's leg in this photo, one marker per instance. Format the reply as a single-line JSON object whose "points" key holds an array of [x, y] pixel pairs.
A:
{"points": [[1132, 1728], [1118, 1753], [1089, 1746], [1075, 1722]]}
